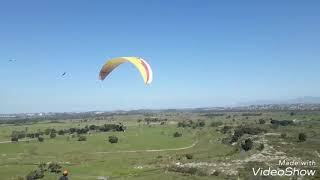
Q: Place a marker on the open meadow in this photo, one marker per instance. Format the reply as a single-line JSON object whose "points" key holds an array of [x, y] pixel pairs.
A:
{"points": [[184, 145]]}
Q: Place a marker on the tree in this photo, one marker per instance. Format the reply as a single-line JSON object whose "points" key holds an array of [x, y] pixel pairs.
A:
{"points": [[53, 135], [113, 139], [261, 147], [14, 139], [302, 137], [18, 134], [35, 174], [247, 145], [177, 134], [82, 138], [262, 121], [40, 139], [47, 131], [189, 156], [93, 127], [216, 124], [61, 132], [201, 123], [54, 167]]}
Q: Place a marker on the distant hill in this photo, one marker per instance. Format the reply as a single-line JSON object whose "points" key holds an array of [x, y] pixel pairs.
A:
{"points": [[300, 100]]}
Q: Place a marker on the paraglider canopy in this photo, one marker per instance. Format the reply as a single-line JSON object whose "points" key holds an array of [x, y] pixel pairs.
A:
{"points": [[143, 67]]}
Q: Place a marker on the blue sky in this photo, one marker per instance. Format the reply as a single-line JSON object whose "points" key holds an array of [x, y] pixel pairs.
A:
{"points": [[203, 53]]}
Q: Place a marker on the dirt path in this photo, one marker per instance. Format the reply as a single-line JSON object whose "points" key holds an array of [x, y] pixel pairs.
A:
{"points": [[149, 150], [23, 140]]}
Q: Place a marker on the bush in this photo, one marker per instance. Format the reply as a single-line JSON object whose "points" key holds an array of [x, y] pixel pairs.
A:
{"points": [[283, 135], [260, 147], [40, 139], [18, 134], [216, 124], [61, 132], [177, 134], [14, 139], [42, 166], [53, 135], [36, 174], [201, 123], [47, 131], [18, 178], [113, 139], [225, 129], [54, 168], [241, 130], [82, 138], [189, 156], [262, 121], [282, 123], [302, 137], [247, 145], [188, 170], [216, 173]]}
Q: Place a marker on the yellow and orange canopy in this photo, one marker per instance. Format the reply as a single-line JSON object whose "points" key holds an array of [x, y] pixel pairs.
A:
{"points": [[143, 67]]}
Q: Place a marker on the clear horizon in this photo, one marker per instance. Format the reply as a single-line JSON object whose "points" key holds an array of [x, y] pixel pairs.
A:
{"points": [[203, 54]]}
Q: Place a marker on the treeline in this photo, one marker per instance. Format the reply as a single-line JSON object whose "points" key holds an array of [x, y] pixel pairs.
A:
{"points": [[281, 122], [241, 130], [20, 121], [192, 124], [39, 172], [16, 135], [213, 114], [251, 114], [155, 119]]}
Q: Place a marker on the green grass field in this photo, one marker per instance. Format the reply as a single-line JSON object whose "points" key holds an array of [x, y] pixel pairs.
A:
{"points": [[146, 152]]}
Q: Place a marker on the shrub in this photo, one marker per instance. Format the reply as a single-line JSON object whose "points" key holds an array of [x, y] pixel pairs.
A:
{"points": [[18, 178], [216, 173], [189, 156], [216, 124], [61, 132], [18, 134], [40, 139], [14, 139], [42, 166], [53, 135], [225, 129], [82, 138], [36, 174], [201, 123], [283, 135], [260, 147], [241, 130], [113, 139], [247, 145], [302, 137], [262, 121], [54, 168], [187, 170], [282, 123], [177, 134]]}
